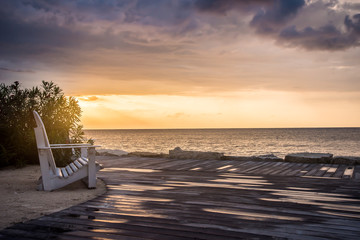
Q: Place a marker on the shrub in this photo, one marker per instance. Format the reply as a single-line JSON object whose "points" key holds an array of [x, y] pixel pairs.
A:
{"points": [[60, 114]]}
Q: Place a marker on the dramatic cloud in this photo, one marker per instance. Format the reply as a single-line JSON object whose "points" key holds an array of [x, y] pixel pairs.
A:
{"points": [[353, 26], [275, 19], [269, 20], [324, 38], [220, 54], [197, 41], [222, 6], [36, 27]]}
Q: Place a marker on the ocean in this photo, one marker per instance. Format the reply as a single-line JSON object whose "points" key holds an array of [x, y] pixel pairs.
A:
{"points": [[232, 142]]}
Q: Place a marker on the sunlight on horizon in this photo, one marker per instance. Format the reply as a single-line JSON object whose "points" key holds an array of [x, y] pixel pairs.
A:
{"points": [[253, 109]]}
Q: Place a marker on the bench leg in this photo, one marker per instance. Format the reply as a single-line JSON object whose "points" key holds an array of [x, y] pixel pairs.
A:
{"points": [[46, 181], [91, 168]]}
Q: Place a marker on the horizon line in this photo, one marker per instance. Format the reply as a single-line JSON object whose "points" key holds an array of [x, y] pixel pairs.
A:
{"points": [[87, 129]]}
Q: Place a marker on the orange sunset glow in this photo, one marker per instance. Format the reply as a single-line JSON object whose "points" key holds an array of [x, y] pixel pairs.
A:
{"points": [[191, 63]]}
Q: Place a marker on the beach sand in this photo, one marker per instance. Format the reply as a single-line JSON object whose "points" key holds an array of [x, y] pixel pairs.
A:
{"points": [[20, 201]]}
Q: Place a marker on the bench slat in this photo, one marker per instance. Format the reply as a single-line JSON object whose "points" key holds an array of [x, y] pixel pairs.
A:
{"points": [[78, 164], [82, 161], [73, 167], [64, 173], [69, 170], [58, 172]]}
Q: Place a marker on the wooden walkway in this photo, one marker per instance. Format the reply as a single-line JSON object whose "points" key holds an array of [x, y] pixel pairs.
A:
{"points": [[192, 199], [247, 167]]}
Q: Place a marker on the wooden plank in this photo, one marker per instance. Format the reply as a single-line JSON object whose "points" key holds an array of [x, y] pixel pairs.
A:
{"points": [[248, 165], [161, 164], [215, 165], [224, 168], [190, 164], [294, 167], [277, 166], [240, 164], [331, 171], [316, 168], [340, 171], [264, 168], [304, 171], [212, 165], [148, 163], [322, 170], [348, 172], [267, 168], [356, 174], [255, 168], [283, 168], [170, 163], [297, 170], [125, 162]]}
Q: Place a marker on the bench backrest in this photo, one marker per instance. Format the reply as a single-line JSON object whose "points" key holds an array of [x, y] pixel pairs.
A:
{"points": [[43, 141]]}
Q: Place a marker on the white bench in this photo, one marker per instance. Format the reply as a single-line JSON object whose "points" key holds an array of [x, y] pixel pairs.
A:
{"points": [[53, 177]]}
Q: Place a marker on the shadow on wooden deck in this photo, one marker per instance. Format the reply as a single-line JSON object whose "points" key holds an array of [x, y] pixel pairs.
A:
{"points": [[144, 203]]}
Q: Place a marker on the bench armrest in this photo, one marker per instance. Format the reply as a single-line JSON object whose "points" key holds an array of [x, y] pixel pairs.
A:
{"points": [[59, 146]]}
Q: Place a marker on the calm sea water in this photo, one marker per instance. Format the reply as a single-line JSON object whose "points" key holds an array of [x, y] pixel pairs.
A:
{"points": [[232, 142]]}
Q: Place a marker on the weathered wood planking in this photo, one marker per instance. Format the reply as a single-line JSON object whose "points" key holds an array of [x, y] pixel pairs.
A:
{"points": [[210, 203], [254, 167]]}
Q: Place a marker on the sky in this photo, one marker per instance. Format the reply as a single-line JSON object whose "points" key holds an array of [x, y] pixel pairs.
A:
{"points": [[190, 63]]}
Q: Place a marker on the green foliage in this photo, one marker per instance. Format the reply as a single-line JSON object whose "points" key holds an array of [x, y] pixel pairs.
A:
{"points": [[60, 114]]}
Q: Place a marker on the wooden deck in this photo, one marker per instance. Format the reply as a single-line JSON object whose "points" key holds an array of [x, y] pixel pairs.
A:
{"points": [[195, 199]]}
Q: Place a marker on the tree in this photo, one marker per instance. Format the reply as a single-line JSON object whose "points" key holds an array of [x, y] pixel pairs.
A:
{"points": [[60, 114]]}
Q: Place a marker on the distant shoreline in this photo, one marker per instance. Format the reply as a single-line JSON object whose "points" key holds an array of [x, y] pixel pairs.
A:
{"points": [[114, 129], [294, 157]]}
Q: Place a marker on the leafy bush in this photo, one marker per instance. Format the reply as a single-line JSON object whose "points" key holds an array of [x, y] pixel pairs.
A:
{"points": [[60, 114]]}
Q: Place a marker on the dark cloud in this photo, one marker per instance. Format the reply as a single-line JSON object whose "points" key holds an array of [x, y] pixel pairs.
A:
{"points": [[17, 32], [273, 18], [275, 22], [222, 6], [269, 20], [52, 31], [353, 25], [265, 11], [324, 38]]}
